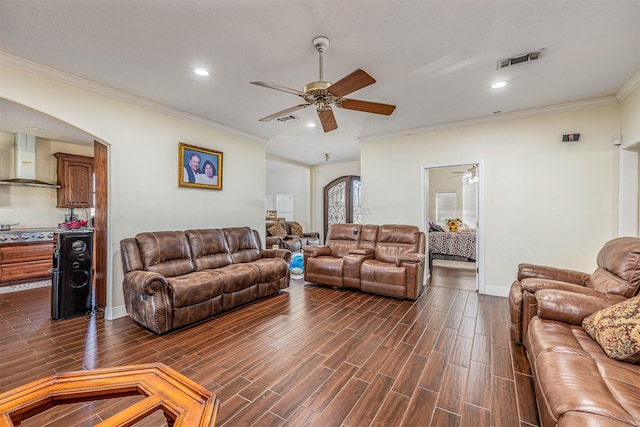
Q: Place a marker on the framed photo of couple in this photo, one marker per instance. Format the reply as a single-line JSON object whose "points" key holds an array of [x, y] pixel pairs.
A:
{"points": [[199, 167]]}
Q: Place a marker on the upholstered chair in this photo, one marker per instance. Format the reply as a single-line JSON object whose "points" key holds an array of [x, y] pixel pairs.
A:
{"points": [[289, 235], [616, 278]]}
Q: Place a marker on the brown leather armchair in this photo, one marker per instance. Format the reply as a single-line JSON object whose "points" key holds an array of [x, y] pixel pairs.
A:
{"points": [[291, 241], [616, 278]]}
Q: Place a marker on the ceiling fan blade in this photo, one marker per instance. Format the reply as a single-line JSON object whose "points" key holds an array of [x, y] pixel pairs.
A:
{"points": [[283, 112], [327, 119], [351, 83], [278, 87], [366, 106]]}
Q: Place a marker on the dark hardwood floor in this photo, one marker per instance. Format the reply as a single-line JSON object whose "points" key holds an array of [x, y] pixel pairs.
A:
{"points": [[309, 356]]}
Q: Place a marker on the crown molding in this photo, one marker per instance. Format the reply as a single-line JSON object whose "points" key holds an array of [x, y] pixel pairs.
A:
{"points": [[628, 87], [533, 112], [89, 85]]}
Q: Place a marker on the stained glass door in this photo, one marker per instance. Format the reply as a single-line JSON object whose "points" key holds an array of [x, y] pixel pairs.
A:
{"points": [[342, 202]]}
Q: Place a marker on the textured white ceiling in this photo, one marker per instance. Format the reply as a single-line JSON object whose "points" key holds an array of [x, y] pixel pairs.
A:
{"points": [[435, 60]]}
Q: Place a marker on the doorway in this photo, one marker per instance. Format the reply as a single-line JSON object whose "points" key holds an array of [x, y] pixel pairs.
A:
{"points": [[452, 219]]}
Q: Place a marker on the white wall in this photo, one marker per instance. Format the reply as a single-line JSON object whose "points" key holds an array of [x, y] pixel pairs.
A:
{"points": [[297, 181], [143, 165], [321, 175], [630, 117], [545, 201], [34, 206], [630, 131]]}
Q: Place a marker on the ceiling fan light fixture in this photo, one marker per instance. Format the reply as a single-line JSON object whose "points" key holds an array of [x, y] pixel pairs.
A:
{"points": [[317, 86]]}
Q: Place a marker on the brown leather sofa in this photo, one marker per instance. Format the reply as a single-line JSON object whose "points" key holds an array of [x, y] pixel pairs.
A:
{"points": [[576, 383], [291, 241], [386, 260], [616, 278], [176, 278]]}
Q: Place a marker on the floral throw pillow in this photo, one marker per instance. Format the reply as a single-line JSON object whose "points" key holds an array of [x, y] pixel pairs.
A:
{"points": [[296, 229], [617, 330], [277, 230]]}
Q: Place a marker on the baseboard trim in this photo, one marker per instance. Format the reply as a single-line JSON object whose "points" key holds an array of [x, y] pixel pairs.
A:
{"points": [[496, 291], [111, 313]]}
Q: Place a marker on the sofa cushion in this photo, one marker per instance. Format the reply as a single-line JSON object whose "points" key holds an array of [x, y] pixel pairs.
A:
{"points": [[209, 248], [396, 240], [324, 269], [383, 278], [617, 330], [242, 244], [194, 288], [573, 375], [271, 269], [296, 229], [277, 230], [618, 270], [343, 237], [165, 252], [236, 277]]}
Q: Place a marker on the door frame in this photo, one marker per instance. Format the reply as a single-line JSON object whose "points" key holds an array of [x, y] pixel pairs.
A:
{"points": [[101, 227], [424, 211]]}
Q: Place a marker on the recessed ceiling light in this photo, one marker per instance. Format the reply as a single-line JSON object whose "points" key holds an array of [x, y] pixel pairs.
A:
{"points": [[498, 85], [201, 72], [311, 125]]}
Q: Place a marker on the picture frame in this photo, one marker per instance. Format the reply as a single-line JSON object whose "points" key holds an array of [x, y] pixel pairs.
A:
{"points": [[272, 215], [207, 173]]}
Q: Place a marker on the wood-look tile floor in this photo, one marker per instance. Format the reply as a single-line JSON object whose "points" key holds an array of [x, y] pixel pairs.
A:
{"points": [[309, 356]]}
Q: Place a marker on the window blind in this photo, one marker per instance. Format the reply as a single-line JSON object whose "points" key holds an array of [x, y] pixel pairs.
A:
{"points": [[445, 206]]}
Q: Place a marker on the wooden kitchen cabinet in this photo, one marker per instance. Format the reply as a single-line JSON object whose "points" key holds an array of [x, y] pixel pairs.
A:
{"points": [[75, 178], [25, 261]]}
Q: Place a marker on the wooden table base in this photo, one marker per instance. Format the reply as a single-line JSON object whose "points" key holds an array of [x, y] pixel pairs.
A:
{"points": [[183, 402]]}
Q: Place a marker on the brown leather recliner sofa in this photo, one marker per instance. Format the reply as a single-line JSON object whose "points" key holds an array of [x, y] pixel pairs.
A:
{"points": [[616, 278], [386, 260], [291, 241], [576, 381], [176, 278]]}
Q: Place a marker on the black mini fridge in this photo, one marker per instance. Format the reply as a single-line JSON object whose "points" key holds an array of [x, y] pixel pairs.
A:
{"points": [[72, 274]]}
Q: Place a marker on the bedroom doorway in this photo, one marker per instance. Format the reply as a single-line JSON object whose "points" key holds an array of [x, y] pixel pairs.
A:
{"points": [[453, 192]]}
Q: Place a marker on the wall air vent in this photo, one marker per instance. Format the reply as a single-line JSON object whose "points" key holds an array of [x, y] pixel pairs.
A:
{"points": [[519, 59], [287, 118]]}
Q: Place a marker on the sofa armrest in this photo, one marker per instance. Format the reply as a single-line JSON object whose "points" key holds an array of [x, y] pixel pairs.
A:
{"points": [[534, 285], [413, 257], [545, 272], [276, 253], [316, 251], [273, 240], [361, 251], [145, 282], [312, 235], [571, 307]]}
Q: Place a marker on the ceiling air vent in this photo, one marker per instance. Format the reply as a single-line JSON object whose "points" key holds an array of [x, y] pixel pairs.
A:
{"points": [[519, 59], [287, 118]]}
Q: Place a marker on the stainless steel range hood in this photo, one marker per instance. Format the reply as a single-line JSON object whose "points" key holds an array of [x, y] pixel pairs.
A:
{"points": [[25, 163]]}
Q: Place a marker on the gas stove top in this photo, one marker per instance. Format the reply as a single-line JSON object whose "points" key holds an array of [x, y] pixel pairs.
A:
{"points": [[28, 235]]}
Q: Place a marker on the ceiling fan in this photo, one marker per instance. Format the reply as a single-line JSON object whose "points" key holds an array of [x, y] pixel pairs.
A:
{"points": [[323, 94], [469, 175]]}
